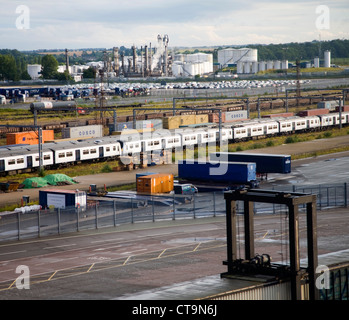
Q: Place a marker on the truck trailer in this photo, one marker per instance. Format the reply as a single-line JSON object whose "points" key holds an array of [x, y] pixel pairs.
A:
{"points": [[265, 163], [229, 173]]}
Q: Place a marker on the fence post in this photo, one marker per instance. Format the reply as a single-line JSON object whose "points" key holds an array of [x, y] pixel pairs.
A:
{"points": [[96, 215], [174, 208], [19, 224], [131, 210], [77, 219], [114, 210], [152, 203], [39, 232], [214, 204], [59, 220]]}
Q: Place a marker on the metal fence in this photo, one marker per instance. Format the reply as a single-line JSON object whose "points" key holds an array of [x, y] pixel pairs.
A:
{"points": [[113, 212]]}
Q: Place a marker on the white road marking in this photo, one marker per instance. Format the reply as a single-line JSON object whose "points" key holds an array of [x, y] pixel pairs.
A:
{"points": [[62, 246]]}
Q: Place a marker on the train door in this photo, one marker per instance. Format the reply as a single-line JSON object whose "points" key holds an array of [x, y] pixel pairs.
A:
{"points": [[101, 152], [29, 162], [77, 155], [2, 165]]}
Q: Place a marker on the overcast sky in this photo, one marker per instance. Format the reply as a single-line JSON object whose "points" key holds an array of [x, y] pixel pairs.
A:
{"points": [[47, 24]]}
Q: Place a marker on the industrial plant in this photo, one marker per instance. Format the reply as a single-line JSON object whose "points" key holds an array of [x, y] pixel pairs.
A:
{"points": [[154, 61]]}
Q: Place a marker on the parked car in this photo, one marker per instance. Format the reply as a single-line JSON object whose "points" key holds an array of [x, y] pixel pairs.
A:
{"points": [[185, 189]]}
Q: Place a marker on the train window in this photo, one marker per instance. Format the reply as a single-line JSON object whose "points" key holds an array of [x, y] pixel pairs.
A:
{"points": [[12, 162], [186, 138], [61, 155], [137, 145], [20, 160], [47, 157], [156, 143], [93, 151], [37, 158], [108, 149], [69, 154], [193, 138], [86, 151]]}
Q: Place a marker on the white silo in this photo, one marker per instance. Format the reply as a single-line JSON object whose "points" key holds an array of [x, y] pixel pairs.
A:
{"points": [[270, 65], [284, 64], [34, 70], [316, 62], [254, 67], [240, 67], [277, 64], [327, 59], [261, 66], [233, 56], [248, 66]]}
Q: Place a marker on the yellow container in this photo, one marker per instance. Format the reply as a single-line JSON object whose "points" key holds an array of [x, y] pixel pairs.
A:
{"points": [[155, 183]]}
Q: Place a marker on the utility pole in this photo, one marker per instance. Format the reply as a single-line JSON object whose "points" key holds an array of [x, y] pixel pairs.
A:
{"points": [[298, 92]]}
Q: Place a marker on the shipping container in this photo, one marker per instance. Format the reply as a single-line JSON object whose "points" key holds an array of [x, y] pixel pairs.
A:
{"points": [[155, 183], [92, 131], [236, 115], [344, 108], [223, 171], [201, 118], [62, 198], [331, 105], [29, 137], [214, 117], [313, 112], [265, 163], [278, 115]]}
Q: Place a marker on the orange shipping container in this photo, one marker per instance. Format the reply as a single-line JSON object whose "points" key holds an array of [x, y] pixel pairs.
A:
{"points": [[155, 183], [29, 137]]}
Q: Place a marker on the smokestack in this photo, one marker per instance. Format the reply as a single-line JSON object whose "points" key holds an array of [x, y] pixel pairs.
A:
{"points": [[146, 59], [116, 60], [134, 58], [66, 60]]}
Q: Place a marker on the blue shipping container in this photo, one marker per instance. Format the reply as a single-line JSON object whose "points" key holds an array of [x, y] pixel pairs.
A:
{"points": [[233, 173], [62, 198], [265, 163]]}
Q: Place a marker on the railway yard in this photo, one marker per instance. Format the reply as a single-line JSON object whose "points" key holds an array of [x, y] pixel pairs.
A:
{"points": [[170, 258]]}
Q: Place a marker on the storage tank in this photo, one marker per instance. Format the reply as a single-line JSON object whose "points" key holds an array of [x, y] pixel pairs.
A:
{"points": [[261, 66], [240, 67], [277, 64], [254, 67], [316, 62], [270, 65], [233, 56], [284, 64], [327, 59], [188, 69], [34, 70]]}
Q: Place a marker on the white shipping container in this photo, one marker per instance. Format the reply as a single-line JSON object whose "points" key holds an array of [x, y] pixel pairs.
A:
{"points": [[93, 131], [235, 115]]}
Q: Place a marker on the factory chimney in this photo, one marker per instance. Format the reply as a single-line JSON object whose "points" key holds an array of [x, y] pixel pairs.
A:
{"points": [[134, 58], [66, 60], [116, 60]]}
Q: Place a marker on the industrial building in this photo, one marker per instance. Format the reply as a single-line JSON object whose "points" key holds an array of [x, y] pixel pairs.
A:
{"points": [[192, 64], [246, 61]]}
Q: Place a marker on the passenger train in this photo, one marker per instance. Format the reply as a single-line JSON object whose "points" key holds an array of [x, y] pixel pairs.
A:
{"points": [[25, 158]]}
